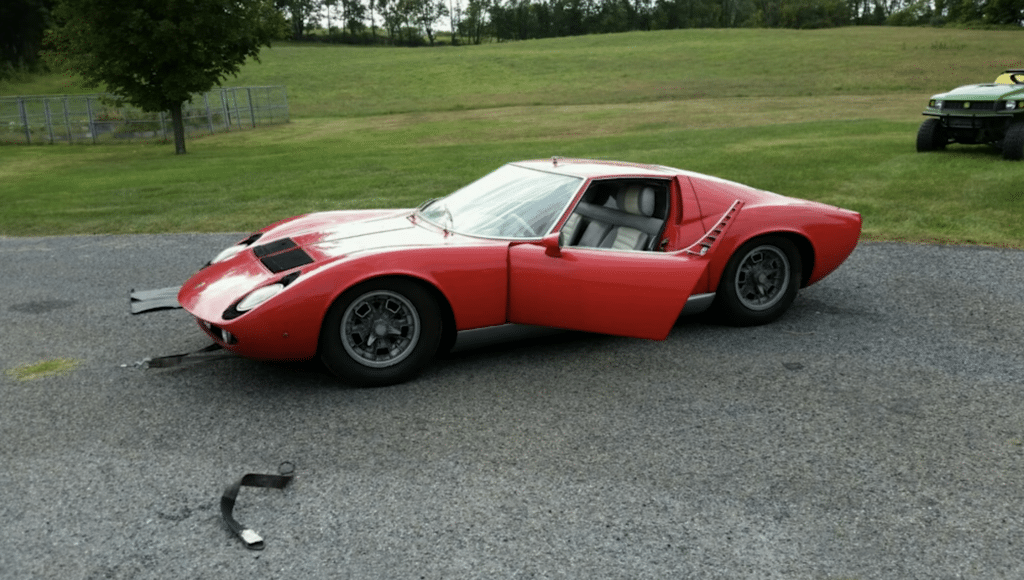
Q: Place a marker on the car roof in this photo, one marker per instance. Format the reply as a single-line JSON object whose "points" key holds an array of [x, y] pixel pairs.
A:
{"points": [[595, 168]]}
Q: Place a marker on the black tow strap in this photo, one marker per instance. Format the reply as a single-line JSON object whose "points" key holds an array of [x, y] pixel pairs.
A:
{"points": [[249, 537], [177, 359]]}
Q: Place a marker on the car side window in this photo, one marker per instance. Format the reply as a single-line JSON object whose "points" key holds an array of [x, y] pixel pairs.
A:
{"points": [[619, 215]]}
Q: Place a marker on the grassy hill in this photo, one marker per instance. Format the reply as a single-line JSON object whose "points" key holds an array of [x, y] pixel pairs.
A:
{"points": [[829, 115]]}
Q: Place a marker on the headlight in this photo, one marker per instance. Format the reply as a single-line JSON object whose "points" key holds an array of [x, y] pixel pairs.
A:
{"points": [[259, 296], [228, 253], [237, 248], [1010, 105], [936, 103]]}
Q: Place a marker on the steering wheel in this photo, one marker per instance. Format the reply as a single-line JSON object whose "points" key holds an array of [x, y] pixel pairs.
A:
{"points": [[519, 220]]}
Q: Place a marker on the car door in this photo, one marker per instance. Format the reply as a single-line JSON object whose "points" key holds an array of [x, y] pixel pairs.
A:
{"points": [[626, 293]]}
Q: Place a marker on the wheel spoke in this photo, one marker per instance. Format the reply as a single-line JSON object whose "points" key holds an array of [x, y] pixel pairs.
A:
{"points": [[380, 328], [762, 277]]}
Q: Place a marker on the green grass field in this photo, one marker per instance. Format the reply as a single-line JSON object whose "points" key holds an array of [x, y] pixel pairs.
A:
{"points": [[829, 115]]}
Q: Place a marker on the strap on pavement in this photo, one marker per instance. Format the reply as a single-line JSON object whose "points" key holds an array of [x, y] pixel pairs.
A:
{"points": [[177, 359], [249, 537]]}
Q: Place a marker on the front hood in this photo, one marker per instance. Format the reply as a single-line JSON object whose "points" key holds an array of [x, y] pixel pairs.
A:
{"points": [[329, 235], [983, 92], [307, 243]]}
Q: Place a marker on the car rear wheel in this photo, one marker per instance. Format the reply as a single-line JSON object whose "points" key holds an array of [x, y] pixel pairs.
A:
{"points": [[760, 281], [931, 136], [381, 332], [1013, 143]]}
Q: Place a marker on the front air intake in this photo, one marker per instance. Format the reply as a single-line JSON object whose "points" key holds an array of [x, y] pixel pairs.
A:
{"points": [[282, 255]]}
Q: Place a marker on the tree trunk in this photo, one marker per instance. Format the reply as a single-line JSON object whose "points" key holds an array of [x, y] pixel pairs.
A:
{"points": [[179, 130]]}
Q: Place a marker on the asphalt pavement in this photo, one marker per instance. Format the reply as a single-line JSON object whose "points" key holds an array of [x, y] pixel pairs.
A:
{"points": [[874, 432]]}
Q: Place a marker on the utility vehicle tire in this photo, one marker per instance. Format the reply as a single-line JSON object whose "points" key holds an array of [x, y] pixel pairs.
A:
{"points": [[931, 136], [1013, 143]]}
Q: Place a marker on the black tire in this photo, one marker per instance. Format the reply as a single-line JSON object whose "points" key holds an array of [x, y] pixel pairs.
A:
{"points": [[931, 136], [1013, 143], [760, 281], [381, 332]]}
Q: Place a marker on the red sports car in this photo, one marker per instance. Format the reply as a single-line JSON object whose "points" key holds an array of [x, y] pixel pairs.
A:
{"points": [[598, 246]]}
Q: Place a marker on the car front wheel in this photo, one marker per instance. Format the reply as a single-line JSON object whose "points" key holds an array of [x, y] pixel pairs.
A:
{"points": [[380, 333], [760, 281], [931, 136]]}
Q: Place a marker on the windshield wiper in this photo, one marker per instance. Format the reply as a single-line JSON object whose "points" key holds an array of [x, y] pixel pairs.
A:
{"points": [[425, 204], [449, 221]]}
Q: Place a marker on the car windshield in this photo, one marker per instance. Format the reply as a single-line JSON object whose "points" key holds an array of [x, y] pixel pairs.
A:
{"points": [[1011, 77], [511, 202]]}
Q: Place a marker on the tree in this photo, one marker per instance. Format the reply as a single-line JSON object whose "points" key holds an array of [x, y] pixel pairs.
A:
{"points": [[22, 23], [426, 13], [156, 54], [353, 14], [472, 26], [300, 14], [1004, 12]]}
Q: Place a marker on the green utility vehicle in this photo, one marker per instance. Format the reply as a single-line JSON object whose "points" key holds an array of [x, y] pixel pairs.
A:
{"points": [[990, 113]]}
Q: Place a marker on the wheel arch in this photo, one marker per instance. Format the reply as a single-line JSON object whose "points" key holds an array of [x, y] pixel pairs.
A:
{"points": [[729, 302], [806, 249], [801, 241], [448, 331]]}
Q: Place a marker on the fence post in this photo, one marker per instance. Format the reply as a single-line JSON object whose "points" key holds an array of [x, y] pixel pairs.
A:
{"points": [[225, 109], [49, 118], [163, 125], [268, 106], [24, 120], [67, 120], [287, 117], [252, 111], [92, 123]]}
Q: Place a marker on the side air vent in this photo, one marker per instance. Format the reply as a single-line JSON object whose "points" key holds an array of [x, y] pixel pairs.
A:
{"points": [[704, 245]]}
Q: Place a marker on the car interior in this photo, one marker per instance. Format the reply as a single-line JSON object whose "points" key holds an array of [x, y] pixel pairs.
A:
{"points": [[618, 215]]}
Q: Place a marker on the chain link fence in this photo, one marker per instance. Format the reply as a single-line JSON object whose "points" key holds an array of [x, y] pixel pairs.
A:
{"points": [[101, 118]]}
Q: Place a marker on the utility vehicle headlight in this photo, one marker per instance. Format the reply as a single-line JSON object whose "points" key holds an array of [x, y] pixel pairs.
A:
{"points": [[1010, 105]]}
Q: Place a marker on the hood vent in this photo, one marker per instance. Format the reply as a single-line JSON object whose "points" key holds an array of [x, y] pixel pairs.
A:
{"points": [[282, 255]]}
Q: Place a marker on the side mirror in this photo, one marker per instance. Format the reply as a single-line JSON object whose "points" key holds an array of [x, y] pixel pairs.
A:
{"points": [[552, 244]]}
